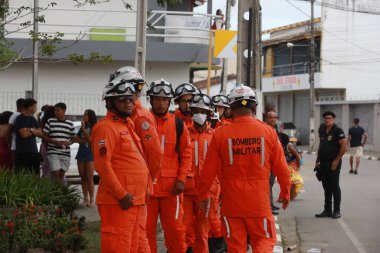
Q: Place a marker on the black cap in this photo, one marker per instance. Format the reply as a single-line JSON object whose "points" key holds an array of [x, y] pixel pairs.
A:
{"points": [[329, 113]]}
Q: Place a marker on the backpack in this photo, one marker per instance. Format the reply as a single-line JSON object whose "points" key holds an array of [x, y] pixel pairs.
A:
{"points": [[179, 131]]}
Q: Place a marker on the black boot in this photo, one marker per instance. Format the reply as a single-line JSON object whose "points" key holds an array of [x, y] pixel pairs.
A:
{"points": [[336, 215], [211, 245], [324, 214], [220, 245]]}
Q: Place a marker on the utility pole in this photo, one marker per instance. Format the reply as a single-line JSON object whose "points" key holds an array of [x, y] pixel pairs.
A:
{"points": [[249, 47], [224, 81], [35, 52], [311, 80], [141, 19]]}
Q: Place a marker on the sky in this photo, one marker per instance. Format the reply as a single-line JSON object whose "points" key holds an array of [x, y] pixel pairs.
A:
{"points": [[275, 13]]}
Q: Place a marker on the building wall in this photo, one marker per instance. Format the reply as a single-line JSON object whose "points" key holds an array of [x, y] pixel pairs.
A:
{"points": [[72, 82], [350, 48], [107, 13], [367, 111]]}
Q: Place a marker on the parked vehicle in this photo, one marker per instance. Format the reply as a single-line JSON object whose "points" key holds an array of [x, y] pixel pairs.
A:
{"points": [[293, 132]]}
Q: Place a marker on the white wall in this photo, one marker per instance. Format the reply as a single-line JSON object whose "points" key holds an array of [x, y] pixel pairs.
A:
{"points": [[82, 85], [350, 48], [67, 18]]}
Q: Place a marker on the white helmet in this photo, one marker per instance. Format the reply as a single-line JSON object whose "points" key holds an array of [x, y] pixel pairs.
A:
{"points": [[160, 88], [220, 100], [201, 101], [118, 88], [185, 89], [241, 92], [130, 74]]}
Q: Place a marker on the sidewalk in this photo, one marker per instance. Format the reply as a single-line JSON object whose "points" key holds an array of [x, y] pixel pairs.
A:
{"points": [[368, 155]]}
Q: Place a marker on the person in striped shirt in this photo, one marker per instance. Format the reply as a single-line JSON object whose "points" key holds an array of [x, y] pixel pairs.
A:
{"points": [[59, 134]]}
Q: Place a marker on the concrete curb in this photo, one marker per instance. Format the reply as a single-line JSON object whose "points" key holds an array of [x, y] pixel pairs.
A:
{"points": [[366, 157]]}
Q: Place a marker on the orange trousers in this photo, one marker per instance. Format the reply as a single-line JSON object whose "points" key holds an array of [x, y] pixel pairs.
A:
{"points": [[170, 210], [143, 240], [196, 224], [120, 228], [214, 220], [261, 231]]}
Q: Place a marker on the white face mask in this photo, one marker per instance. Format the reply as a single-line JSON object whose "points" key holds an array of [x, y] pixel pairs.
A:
{"points": [[199, 118]]}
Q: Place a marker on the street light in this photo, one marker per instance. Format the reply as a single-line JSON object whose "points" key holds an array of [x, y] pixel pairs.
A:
{"points": [[311, 78]]}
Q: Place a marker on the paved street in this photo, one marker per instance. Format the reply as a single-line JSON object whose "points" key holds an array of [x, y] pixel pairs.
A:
{"points": [[359, 228]]}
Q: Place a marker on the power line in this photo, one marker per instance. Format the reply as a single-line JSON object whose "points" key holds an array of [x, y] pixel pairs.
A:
{"points": [[325, 30], [342, 8]]}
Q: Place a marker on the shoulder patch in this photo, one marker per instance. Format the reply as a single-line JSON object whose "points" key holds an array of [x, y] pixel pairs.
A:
{"points": [[145, 125]]}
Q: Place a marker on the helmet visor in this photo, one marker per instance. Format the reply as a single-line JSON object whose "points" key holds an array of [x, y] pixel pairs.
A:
{"points": [[206, 100], [185, 87], [123, 88], [161, 88], [222, 99]]}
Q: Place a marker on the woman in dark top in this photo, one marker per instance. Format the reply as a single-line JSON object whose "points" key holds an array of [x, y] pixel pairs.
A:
{"points": [[6, 161], [85, 158]]}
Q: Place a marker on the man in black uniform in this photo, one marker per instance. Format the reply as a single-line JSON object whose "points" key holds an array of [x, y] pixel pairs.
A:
{"points": [[333, 145]]}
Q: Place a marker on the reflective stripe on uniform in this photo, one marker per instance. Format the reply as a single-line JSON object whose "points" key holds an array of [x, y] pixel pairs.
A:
{"points": [[230, 151], [266, 228], [227, 226], [177, 208], [205, 150], [163, 143], [262, 151], [196, 153]]}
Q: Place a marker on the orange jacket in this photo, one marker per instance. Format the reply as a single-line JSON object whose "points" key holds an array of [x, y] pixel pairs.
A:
{"points": [[119, 161], [187, 119], [242, 154], [199, 145], [221, 123], [171, 168], [145, 128]]}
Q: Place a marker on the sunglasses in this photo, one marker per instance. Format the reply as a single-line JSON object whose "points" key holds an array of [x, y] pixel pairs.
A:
{"points": [[124, 99]]}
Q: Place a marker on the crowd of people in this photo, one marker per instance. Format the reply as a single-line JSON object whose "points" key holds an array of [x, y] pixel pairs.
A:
{"points": [[48, 156], [206, 170]]}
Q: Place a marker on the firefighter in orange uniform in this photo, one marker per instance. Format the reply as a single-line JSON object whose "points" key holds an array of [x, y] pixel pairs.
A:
{"points": [[196, 222], [145, 128], [242, 155], [182, 97], [123, 172], [221, 105], [167, 197]]}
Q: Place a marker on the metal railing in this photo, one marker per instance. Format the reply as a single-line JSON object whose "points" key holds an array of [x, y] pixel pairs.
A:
{"points": [[292, 69], [76, 103], [172, 26]]}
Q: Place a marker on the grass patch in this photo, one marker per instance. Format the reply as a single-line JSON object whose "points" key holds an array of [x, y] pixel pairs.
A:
{"points": [[92, 235]]}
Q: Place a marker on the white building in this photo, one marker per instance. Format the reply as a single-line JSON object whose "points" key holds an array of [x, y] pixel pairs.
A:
{"points": [[180, 37]]}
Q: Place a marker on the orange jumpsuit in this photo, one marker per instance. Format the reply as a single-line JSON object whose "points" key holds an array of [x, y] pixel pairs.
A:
{"points": [[174, 167], [145, 128], [196, 222], [118, 160], [215, 221], [242, 155], [187, 119], [221, 123]]}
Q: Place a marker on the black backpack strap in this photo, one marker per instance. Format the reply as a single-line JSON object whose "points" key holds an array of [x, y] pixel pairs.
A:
{"points": [[179, 131]]}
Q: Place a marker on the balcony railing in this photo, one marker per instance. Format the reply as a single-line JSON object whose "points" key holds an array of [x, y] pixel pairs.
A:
{"points": [[115, 25], [292, 69]]}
